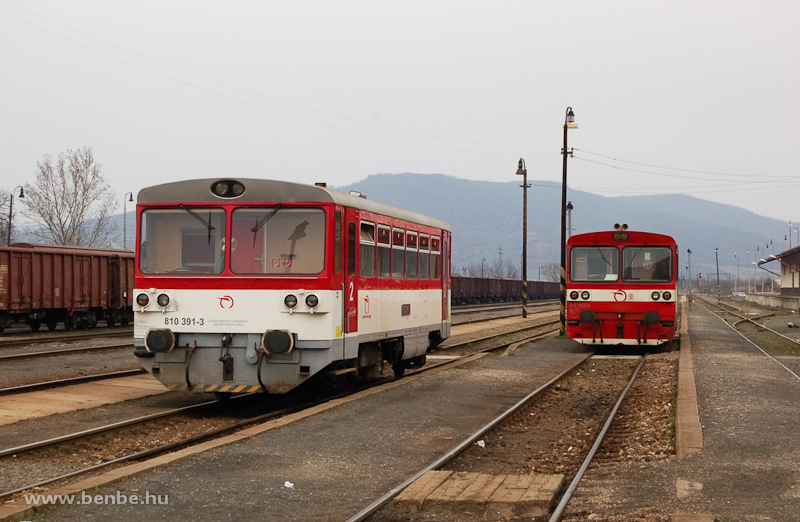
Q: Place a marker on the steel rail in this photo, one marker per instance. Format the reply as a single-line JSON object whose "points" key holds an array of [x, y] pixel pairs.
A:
{"points": [[562, 505], [60, 338], [69, 380], [458, 449], [63, 351]]}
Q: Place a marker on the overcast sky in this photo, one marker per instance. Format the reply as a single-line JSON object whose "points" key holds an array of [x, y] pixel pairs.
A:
{"points": [[337, 90]]}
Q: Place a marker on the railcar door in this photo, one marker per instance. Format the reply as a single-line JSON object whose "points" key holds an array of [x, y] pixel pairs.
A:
{"points": [[351, 276]]}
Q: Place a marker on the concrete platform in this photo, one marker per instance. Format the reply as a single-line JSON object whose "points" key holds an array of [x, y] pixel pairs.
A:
{"points": [[502, 496], [77, 397]]}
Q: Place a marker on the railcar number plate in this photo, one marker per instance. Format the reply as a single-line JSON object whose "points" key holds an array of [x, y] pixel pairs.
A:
{"points": [[183, 321]]}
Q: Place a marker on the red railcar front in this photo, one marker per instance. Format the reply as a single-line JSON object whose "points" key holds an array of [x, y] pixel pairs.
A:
{"points": [[622, 287]]}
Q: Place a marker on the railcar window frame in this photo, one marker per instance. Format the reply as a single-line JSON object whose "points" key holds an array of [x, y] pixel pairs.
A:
{"points": [[157, 252], [398, 253], [436, 257], [647, 270], [597, 256], [384, 251], [301, 253], [424, 256], [366, 264], [412, 253]]}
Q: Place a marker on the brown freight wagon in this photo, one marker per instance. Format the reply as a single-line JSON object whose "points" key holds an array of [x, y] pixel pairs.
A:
{"points": [[73, 285]]}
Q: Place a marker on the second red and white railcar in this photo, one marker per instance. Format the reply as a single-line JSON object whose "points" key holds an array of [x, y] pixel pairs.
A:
{"points": [[621, 287], [255, 285]]}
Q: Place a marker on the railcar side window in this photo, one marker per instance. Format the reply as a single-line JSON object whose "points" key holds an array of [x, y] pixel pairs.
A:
{"points": [[411, 255], [436, 256], [593, 263], [398, 252], [646, 264], [185, 241], [278, 241], [384, 251], [424, 255], [367, 251]]}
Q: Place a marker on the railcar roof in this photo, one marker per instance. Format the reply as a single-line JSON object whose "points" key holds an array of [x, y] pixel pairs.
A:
{"points": [[635, 237], [272, 191]]}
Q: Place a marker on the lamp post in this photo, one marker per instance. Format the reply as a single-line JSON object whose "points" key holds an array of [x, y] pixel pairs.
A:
{"points": [[736, 284], [689, 275], [522, 171], [569, 123], [128, 197], [569, 219], [716, 256], [11, 208]]}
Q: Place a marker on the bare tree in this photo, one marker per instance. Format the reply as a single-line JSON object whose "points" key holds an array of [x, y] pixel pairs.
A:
{"points": [[551, 271], [4, 201], [73, 201]]}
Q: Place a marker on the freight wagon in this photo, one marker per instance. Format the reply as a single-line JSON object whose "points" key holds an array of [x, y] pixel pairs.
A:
{"points": [[49, 284], [471, 290]]}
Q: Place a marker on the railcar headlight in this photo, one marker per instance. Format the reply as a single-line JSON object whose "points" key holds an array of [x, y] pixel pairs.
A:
{"points": [[312, 301], [227, 188], [162, 300], [573, 295], [585, 295], [656, 296], [290, 301], [667, 296], [142, 300]]}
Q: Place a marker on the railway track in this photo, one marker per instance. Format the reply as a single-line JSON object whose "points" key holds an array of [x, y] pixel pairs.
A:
{"points": [[458, 485], [56, 338], [74, 448], [769, 341]]}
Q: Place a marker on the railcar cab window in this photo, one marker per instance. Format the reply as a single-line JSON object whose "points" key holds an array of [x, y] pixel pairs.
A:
{"points": [[411, 255], [367, 250], [594, 263], [424, 255], [384, 251], [398, 253], [646, 264], [436, 255], [278, 241], [183, 241]]}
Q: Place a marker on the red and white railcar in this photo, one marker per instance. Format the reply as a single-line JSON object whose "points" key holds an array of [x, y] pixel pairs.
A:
{"points": [[621, 287], [255, 285]]}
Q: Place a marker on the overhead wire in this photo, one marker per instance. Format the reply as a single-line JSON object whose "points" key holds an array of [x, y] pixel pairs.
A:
{"points": [[256, 94]]}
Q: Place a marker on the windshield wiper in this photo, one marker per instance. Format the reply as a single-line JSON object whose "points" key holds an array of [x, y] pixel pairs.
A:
{"points": [[261, 222], [205, 223]]}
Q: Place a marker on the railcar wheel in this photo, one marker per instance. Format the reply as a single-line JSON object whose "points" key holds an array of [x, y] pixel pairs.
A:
{"points": [[110, 322], [35, 325], [51, 323], [399, 369]]}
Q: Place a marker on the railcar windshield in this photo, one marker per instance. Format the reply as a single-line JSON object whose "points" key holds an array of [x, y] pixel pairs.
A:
{"points": [[183, 241], [645, 264], [593, 263], [278, 241]]}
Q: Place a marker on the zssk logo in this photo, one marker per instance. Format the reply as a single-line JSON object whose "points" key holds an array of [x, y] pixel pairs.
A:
{"points": [[366, 305], [225, 302], [620, 295]]}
